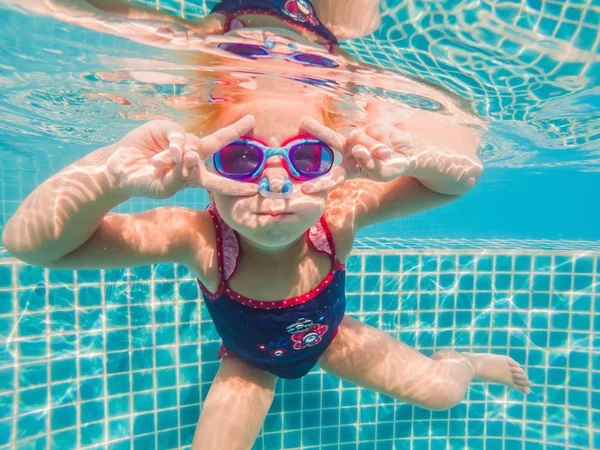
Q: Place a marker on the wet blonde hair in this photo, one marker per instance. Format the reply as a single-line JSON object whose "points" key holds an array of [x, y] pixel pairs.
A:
{"points": [[208, 115]]}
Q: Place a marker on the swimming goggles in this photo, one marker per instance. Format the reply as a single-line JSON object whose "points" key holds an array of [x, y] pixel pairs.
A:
{"points": [[255, 51], [305, 158]]}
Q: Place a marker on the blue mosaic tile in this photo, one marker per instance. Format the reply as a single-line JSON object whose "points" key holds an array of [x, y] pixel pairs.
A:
{"points": [[118, 428], [144, 359], [502, 282], [373, 263], [503, 263], [143, 423], [188, 290], [542, 263], [118, 362], [115, 275], [582, 283], [89, 296], [410, 263], [6, 302], [164, 271], [182, 271], [92, 434], [141, 273], [165, 292], [165, 335], [143, 402], [563, 264], [522, 263], [6, 276], [30, 424], [584, 264], [61, 297], [391, 263], [114, 294], [447, 263], [562, 283], [56, 276], [88, 276], [63, 417], [91, 388], [30, 275], [188, 312], [62, 393], [140, 293], [354, 264], [119, 405], [429, 263]]}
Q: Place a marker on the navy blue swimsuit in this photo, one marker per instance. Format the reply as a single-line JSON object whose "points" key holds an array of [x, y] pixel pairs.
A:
{"points": [[299, 13], [284, 337]]}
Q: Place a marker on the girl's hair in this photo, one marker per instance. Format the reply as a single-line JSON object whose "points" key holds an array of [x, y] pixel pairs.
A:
{"points": [[218, 90]]}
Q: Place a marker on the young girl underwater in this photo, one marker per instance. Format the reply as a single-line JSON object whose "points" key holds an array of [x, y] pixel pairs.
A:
{"points": [[288, 196]]}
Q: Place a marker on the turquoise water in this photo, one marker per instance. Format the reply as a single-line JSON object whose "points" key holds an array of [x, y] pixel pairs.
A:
{"points": [[123, 358]]}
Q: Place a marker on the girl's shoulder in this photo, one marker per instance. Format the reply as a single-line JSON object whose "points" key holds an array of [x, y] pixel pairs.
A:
{"points": [[342, 232]]}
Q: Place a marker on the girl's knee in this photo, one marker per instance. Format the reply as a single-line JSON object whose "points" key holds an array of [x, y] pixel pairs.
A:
{"points": [[444, 401], [436, 399]]}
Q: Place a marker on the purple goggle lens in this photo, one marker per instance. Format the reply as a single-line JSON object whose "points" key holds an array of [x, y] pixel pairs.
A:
{"points": [[242, 161]]}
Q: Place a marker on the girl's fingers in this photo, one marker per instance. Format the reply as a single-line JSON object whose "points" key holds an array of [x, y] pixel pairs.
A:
{"points": [[190, 159], [173, 179], [216, 141], [202, 178], [162, 159], [176, 146], [372, 145], [390, 135], [363, 157], [323, 133], [168, 134]]}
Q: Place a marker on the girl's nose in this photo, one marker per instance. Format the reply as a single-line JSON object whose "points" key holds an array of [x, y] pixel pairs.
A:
{"points": [[275, 173]]}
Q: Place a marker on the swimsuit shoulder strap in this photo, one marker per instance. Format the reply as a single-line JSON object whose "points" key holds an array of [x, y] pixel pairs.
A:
{"points": [[228, 246], [321, 239]]}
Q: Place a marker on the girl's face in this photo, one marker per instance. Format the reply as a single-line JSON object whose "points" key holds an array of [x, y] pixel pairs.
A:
{"points": [[272, 224]]}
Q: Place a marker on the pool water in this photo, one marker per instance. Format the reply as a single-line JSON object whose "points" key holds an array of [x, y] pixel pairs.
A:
{"points": [[122, 359]]}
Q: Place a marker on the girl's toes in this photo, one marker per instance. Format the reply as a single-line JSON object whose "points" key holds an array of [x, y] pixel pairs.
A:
{"points": [[512, 362], [518, 371]]}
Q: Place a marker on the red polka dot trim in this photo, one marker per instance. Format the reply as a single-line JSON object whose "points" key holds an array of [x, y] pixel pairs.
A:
{"points": [[224, 352]]}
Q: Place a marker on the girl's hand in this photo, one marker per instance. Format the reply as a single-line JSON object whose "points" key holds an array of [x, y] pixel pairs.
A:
{"points": [[364, 156], [159, 159], [382, 152]]}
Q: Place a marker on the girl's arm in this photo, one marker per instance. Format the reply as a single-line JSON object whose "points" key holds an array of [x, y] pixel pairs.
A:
{"points": [[65, 223], [121, 18], [443, 149]]}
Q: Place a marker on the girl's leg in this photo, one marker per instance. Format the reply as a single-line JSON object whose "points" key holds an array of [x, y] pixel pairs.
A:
{"points": [[235, 407], [372, 359]]}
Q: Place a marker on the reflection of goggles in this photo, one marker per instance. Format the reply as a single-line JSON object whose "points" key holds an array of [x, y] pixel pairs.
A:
{"points": [[254, 51], [304, 158]]}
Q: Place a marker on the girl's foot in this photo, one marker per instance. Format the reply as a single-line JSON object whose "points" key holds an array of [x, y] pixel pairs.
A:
{"points": [[499, 369]]}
